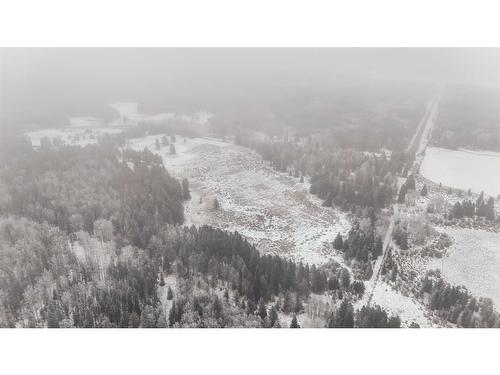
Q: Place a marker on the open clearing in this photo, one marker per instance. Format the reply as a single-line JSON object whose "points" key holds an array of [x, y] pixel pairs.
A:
{"points": [[272, 210], [463, 169], [473, 261]]}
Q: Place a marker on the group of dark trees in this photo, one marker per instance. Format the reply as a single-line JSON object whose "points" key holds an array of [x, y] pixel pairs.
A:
{"points": [[409, 185], [360, 247], [470, 209], [229, 257], [456, 305], [376, 317], [367, 317], [400, 236], [344, 178]]}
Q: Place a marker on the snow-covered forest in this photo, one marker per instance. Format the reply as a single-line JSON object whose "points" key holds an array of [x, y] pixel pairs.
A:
{"points": [[372, 204]]}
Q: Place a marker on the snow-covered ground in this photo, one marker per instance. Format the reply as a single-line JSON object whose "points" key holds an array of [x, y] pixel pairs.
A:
{"points": [[407, 308], [271, 209], [85, 129], [463, 169], [473, 261]]}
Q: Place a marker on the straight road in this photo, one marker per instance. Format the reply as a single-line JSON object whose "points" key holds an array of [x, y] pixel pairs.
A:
{"points": [[416, 149]]}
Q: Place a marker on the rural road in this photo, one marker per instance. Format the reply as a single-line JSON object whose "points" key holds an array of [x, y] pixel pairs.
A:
{"points": [[417, 145]]}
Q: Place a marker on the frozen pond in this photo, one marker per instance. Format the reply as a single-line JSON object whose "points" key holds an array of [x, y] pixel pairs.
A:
{"points": [[473, 261], [463, 169]]}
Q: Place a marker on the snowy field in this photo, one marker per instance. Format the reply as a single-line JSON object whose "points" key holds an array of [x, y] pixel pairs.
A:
{"points": [[82, 131], [463, 169], [473, 261], [272, 210]]}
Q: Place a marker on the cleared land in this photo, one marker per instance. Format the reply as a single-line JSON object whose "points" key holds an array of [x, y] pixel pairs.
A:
{"points": [[272, 210], [473, 261]]}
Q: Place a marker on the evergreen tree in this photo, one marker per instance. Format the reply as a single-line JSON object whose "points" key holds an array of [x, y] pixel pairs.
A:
{"points": [[344, 317], [338, 243], [170, 294], [185, 189], [345, 278], [298, 304], [172, 315], [217, 307], [287, 303], [403, 244], [294, 323], [262, 310], [424, 192], [216, 204], [157, 144], [489, 209], [172, 149], [273, 316], [402, 194], [372, 216]]}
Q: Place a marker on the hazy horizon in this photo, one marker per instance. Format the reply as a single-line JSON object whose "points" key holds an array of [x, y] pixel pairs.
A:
{"points": [[39, 83]]}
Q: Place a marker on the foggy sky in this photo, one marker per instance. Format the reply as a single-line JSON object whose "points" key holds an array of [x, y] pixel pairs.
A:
{"points": [[41, 82]]}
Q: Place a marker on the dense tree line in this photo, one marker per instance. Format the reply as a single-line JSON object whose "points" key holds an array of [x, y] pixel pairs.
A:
{"points": [[72, 187], [341, 177], [456, 305], [360, 247], [480, 208], [376, 317], [229, 257], [367, 317]]}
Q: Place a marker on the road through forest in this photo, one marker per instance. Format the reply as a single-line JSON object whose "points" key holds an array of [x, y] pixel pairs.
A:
{"points": [[417, 146]]}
